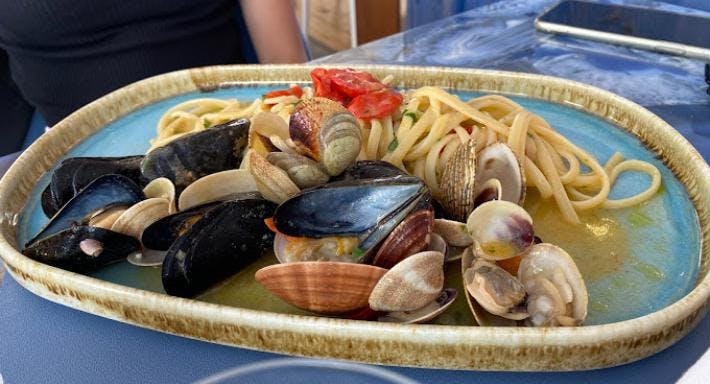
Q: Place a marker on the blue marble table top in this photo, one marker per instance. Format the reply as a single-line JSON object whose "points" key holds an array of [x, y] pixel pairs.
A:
{"points": [[43, 342]]}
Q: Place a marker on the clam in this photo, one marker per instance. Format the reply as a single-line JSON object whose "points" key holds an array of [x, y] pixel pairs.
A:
{"points": [[264, 125], [229, 237], [457, 182], [413, 283], [410, 236], [501, 229], [558, 294], [482, 317], [198, 154], [139, 216], [494, 289], [216, 186], [424, 314], [75, 173], [490, 190], [102, 192], [437, 243], [497, 161], [326, 132], [304, 172], [106, 216], [82, 248], [366, 209], [164, 188], [454, 232], [273, 182], [321, 287]]}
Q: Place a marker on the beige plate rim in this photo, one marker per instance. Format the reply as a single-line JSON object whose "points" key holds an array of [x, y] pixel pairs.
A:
{"points": [[380, 343]]}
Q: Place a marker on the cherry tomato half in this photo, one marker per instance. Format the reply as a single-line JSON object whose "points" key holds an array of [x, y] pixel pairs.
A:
{"points": [[375, 105], [293, 91]]}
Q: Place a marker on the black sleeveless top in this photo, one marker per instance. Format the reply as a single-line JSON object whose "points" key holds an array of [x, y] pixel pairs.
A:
{"points": [[66, 53]]}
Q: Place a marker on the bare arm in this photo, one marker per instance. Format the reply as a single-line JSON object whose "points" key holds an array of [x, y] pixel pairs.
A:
{"points": [[274, 31]]}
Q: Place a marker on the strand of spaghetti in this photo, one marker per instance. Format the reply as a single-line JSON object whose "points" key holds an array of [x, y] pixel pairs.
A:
{"points": [[373, 141], [432, 163], [558, 190], [572, 167], [541, 127], [457, 104], [441, 127], [613, 161], [407, 121], [534, 177], [410, 137], [629, 165], [518, 133], [462, 134], [419, 167], [387, 136]]}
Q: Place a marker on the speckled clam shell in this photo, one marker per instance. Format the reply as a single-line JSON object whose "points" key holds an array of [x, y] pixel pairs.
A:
{"points": [[413, 283], [272, 181], [421, 345], [304, 172], [457, 182], [321, 286]]}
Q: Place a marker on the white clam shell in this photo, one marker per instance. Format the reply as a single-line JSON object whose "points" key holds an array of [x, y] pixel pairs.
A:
{"points": [[164, 188], [411, 284], [454, 232], [502, 229], [215, 187], [557, 267], [140, 215], [107, 217], [424, 314], [482, 317], [497, 161]]}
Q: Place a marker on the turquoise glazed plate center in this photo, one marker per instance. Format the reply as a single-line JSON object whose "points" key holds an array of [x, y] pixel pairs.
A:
{"points": [[663, 233]]}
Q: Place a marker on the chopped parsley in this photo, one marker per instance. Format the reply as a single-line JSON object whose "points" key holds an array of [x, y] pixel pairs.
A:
{"points": [[411, 114], [206, 123], [393, 145], [357, 252]]}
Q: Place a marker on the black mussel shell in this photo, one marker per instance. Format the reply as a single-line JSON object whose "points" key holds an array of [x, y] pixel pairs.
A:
{"points": [[190, 157], [100, 247], [369, 169], [75, 173], [347, 208], [163, 233], [225, 240], [105, 190]]}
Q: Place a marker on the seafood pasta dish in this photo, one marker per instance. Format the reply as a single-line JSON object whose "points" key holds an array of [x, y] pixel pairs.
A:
{"points": [[372, 203]]}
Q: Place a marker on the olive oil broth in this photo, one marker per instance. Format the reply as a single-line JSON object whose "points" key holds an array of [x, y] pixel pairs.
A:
{"points": [[600, 245]]}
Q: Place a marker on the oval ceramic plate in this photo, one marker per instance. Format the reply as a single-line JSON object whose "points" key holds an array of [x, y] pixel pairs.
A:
{"points": [[641, 301]]}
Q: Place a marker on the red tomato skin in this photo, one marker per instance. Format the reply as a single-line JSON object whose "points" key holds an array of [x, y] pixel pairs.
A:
{"points": [[375, 105], [293, 91]]}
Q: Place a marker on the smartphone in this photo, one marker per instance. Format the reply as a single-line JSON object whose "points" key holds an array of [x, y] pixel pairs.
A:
{"points": [[666, 32]]}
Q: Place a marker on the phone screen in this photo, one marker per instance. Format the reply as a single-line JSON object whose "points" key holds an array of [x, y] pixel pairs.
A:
{"points": [[637, 22]]}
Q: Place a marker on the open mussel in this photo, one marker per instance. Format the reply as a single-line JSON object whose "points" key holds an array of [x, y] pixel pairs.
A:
{"points": [[326, 132], [369, 169], [226, 239], [102, 192], [199, 154], [366, 210], [75, 173], [82, 248], [162, 234]]}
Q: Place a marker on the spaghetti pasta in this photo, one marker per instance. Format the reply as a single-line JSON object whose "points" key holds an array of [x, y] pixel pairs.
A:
{"points": [[422, 135]]}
